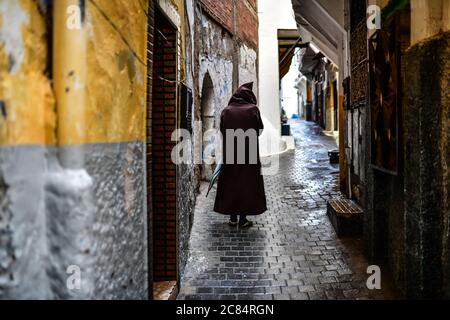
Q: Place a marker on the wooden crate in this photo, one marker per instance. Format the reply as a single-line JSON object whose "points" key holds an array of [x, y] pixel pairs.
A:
{"points": [[346, 217]]}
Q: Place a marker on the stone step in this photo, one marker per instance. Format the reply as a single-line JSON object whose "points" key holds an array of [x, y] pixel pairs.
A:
{"points": [[346, 217], [165, 290]]}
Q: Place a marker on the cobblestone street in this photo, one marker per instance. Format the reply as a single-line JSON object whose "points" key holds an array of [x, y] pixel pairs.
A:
{"points": [[292, 252], [113, 113]]}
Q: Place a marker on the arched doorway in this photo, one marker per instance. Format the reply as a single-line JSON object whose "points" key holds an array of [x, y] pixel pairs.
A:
{"points": [[208, 123]]}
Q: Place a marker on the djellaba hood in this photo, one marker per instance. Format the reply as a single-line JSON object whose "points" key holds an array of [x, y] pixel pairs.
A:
{"points": [[244, 95]]}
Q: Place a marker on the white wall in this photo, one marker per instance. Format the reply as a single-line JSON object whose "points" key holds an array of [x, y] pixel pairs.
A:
{"points": [[248, 67], [301, 83], [273, 15], [289, 92]]}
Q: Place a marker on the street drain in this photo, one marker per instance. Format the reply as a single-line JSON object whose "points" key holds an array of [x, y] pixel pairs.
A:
{"points": [[317, 168], [295, 187]]}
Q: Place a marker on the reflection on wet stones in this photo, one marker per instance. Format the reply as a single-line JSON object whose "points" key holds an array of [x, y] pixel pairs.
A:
{"points": [[292, 251]]}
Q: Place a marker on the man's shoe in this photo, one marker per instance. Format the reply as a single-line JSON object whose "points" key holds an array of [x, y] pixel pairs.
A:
{"points": [[232, 223], [246, 224]]}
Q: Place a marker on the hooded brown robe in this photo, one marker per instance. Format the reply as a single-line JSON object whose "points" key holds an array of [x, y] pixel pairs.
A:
{"points": [[240, 187]]}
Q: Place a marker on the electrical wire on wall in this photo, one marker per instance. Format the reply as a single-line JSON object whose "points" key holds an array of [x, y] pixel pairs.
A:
{"points": [[183, 81]]}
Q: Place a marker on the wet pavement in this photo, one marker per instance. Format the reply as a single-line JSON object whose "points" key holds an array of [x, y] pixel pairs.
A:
{"points": [[292, 252]]}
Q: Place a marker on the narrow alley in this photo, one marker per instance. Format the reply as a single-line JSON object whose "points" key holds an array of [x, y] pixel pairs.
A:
{"points": [[117, 117], [292, 252]]}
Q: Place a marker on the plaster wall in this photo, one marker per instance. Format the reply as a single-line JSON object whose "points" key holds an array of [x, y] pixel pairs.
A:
{"points": [[273, 15], [72, 186]]}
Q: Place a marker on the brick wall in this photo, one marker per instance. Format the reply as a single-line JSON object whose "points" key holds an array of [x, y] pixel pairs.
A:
{"points": [[246, 17], [163, 169], [247, 22], [149, 160], [221, 11]]}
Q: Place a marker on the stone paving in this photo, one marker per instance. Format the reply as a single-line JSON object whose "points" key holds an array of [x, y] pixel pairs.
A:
{"points": [[292, 252]]}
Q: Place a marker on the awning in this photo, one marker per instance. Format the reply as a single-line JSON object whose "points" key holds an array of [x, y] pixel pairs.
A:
{"points": [[321, 22], [308, 62], [288, 41], [286, 56]]}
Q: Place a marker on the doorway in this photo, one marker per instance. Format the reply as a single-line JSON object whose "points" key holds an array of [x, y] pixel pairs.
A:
{"points": [[164, 184], [208, 123], [335, 106]]}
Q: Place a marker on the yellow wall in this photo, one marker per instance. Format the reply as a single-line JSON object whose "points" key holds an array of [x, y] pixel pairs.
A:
{"points": [[24, 89], [101, 90], [98, 90], [428, 18], [380, 3], [99, 75]]}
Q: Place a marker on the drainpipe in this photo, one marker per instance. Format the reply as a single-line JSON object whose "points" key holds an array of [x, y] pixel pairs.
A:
{"points": [[69, 71], [70, 209]]}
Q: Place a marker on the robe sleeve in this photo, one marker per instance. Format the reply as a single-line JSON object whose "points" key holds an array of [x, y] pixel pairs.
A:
{"points": [[260, 124], [222, 125]]}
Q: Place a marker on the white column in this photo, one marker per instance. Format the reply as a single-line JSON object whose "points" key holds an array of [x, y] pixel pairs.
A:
{"points": [[273, 15]]}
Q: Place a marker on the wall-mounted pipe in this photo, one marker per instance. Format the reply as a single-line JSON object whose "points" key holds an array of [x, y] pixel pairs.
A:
{"points": [[70, 72]]}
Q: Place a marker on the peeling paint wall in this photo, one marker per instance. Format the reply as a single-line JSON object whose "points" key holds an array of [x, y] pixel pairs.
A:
{"points": [[26, 98], [27, 123], [114, 83], [216, 54], [213, 53], [248, 70], [72, 148]]}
